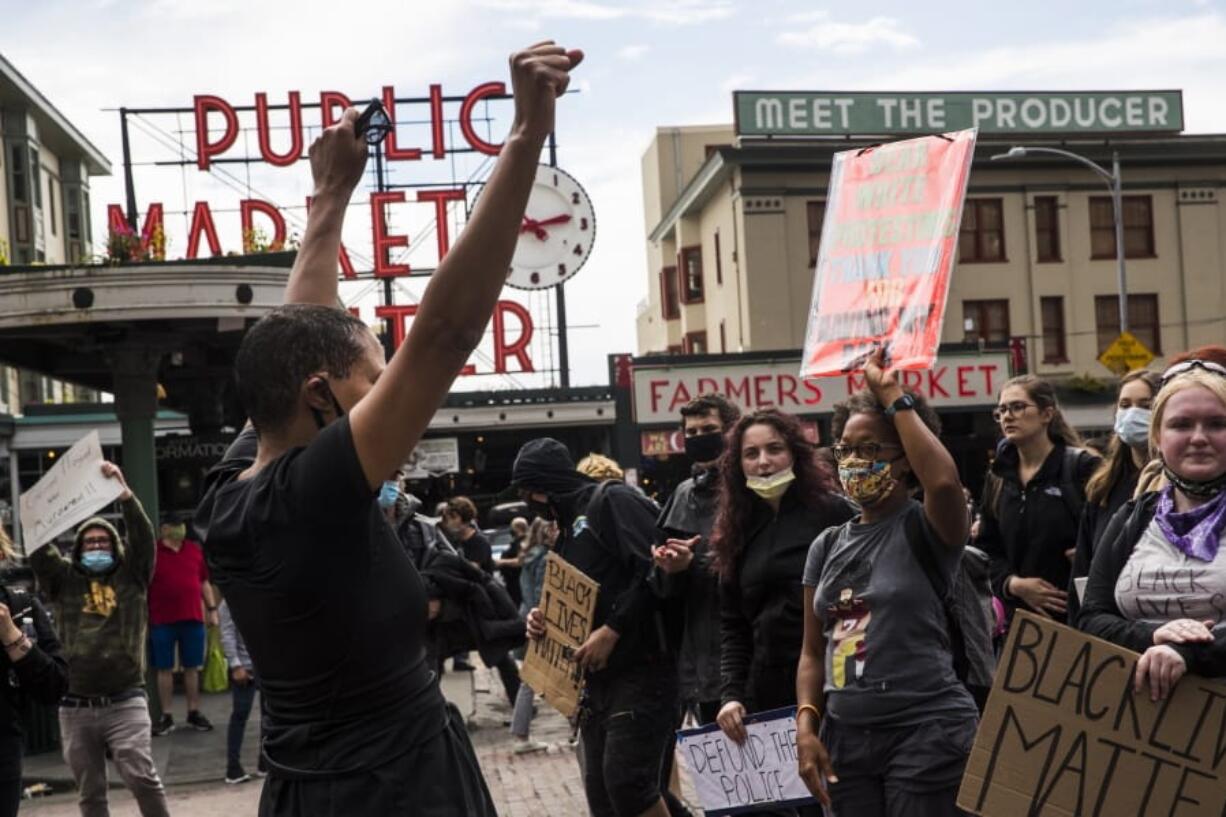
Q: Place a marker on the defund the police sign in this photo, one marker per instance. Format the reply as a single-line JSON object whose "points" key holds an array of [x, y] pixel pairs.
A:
{"points": [[835, 113]]}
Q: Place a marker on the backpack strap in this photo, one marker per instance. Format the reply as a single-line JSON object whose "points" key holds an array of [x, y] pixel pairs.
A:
{"points": [[1071, 491], [913, 527]]}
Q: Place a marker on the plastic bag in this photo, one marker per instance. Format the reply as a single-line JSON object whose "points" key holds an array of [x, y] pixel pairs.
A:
{"points": [[216, 668]]}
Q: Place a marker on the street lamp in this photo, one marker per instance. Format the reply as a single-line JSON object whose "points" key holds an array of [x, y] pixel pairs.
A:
{"points": [[1113, 184]]}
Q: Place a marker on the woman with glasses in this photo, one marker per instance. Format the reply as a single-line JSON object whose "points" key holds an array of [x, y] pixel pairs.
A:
{"points": [[1158, 578], [1033, 499], [775, 498], [1115, 480], [884, 725]]}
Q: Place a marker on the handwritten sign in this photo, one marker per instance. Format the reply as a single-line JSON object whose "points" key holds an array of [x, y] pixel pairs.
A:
{"points": [[568, 602], [731, 778], [1064, 734], [887, 251], [69, 493]]}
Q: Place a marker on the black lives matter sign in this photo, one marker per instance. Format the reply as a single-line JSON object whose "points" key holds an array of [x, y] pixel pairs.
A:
{"points": [[568, 602], [1065, 734]]}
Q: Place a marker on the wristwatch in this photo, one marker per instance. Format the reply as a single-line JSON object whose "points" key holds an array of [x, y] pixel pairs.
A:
{"points": [[904, 403]]}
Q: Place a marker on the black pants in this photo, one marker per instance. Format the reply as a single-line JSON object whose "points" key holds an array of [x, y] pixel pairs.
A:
{"points": [[508, 671], [10, 775], [627, 727]]}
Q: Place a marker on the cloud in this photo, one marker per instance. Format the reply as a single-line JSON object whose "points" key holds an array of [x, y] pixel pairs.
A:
{"points": [[632, 53], [850, 38], [672, 12]]}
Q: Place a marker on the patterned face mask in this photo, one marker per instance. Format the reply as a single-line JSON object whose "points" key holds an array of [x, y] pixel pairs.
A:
{"points": [[866, 481]]}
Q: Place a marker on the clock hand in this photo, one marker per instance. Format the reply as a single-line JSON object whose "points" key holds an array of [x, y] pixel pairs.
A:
{"points": [[562, 219], [531, 225]]}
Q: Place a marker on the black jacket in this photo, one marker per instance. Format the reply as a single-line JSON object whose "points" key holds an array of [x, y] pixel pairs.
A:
{"points": [[1094, 519], [477, 613], [1100, 615], [42, 674], [761, 603], [690, 512], [1026, 531]]}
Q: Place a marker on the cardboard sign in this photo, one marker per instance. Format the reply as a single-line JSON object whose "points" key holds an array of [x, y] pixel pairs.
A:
{"points": [[69, 493], [731, 778], [888, 244], [568, 601], [1063, 734]]}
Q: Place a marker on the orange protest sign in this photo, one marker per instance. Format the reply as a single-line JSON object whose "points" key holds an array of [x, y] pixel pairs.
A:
{"points": [[887, 251]]}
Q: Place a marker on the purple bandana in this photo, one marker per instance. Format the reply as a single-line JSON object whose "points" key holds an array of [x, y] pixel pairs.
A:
{"points": [[1197, 532]]}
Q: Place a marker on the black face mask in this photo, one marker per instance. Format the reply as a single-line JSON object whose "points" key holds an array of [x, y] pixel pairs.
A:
{"points": [[544, 510], [336, 406], [704, 447]]}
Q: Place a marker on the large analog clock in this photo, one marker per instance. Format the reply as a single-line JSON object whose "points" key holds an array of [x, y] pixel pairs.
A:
{"points": [[556, 234]]}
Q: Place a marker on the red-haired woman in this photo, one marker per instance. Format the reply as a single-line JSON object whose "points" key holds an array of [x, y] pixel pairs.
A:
{"points": [[775, 498]]}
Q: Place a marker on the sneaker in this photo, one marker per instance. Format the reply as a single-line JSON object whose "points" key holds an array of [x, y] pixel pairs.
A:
{"points": [[526, 746], [199, 722], [236, 776], [164, 726]]}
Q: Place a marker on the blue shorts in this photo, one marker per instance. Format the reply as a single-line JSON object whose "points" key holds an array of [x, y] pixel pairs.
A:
{"points": [[189, 635]]}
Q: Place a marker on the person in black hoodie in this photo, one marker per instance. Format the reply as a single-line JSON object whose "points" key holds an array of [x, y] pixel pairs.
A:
{"points": [[1115, 481], [607, 531], [775, 499], [1033, 499], [34, 668]]}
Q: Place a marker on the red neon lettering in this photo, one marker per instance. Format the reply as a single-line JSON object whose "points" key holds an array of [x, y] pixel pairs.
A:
{"points": [[355, 312], [856, 382], [786, 385], [517, 348], [202, 222], [655, 386], [439, 149], [295, 129], [737, 392], [815, 393], [707, 385], [328, 102], [383, 242], [205, 149], [934, 382], [440, 199], [913, 379], [466, 116], [964, 390], [153, 222], [762, 400], [680, 397], [396, 314], [988, 370], [342, 254], [390, 149], [247, 208]]}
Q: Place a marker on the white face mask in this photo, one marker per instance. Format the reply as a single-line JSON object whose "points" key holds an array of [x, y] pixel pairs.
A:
{"points": [[1132, 426], [772, 487]]}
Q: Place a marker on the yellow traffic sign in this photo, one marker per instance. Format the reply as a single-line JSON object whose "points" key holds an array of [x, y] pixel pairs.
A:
{"points": [[1125, 354]]}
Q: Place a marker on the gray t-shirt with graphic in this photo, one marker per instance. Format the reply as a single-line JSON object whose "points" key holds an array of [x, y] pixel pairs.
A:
{"points": [[888, 660]]}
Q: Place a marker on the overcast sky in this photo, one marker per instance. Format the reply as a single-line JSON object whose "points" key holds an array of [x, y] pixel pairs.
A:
{"points": [[650, 64]]}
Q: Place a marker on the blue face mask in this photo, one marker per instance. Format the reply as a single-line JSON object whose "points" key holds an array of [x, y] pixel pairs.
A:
{"points": [[388, 494], [1132, 426], [97, 561]]}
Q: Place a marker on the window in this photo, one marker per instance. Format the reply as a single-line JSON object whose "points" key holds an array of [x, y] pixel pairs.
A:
{"points": [[691, 275], [51, 204], [815, 212], [696, 343], [1138, 227], [1047, 228], [21, 190], [982, 236], [719, 263], [1142, 320], [72, 215], [987, 321], [668, 293], [1054, 349], [36, 179]]}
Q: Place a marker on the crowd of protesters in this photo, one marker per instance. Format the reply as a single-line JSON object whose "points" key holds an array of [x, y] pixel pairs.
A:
{"points": [[779, 575]]}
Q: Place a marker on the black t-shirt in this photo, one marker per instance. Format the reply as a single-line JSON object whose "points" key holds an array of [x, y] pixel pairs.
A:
{"points": [[510, 575], [330, 606], [477, 549]]}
